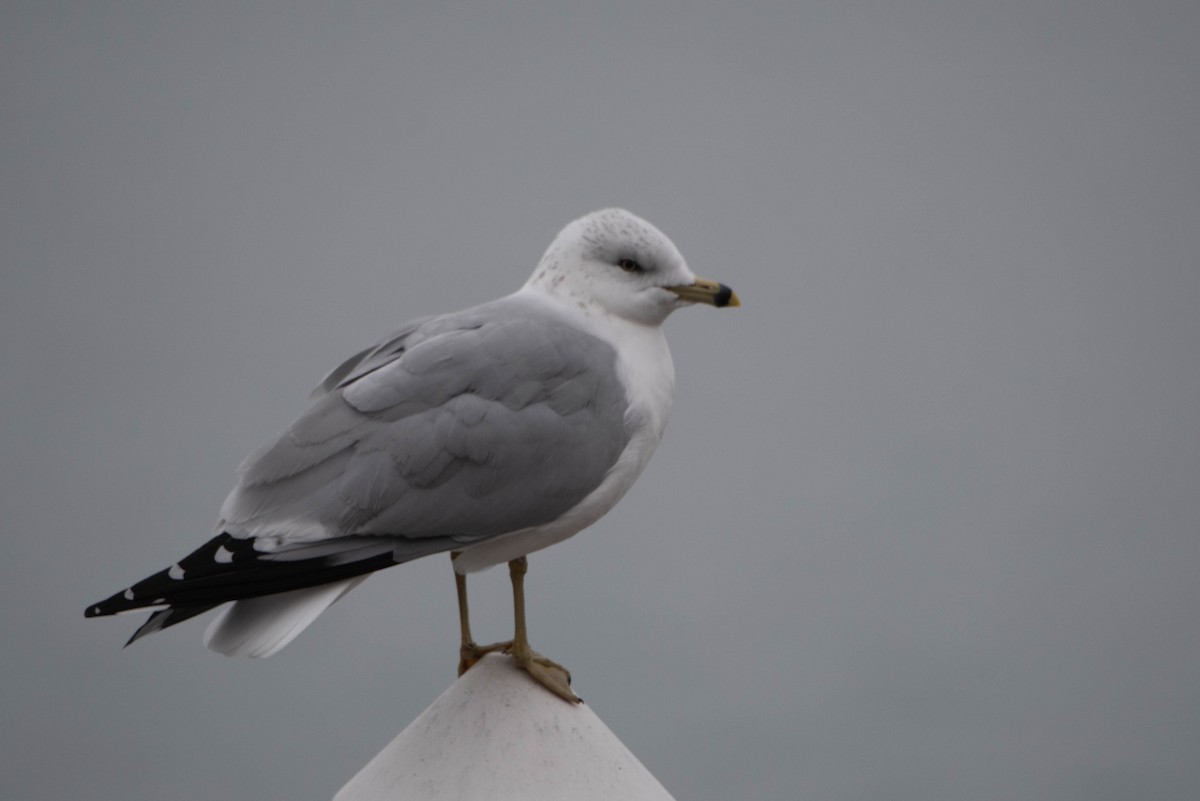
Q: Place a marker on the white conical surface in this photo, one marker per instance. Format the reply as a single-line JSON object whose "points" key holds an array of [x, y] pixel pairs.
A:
{"points": [[495, 734]]}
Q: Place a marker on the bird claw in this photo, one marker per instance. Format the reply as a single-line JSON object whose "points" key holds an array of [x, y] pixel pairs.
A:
{"points": [[470, 653], [551, 675], [547, 672]]}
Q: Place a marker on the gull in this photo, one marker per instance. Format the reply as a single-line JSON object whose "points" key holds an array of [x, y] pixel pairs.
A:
{"points": [[488, 433]]}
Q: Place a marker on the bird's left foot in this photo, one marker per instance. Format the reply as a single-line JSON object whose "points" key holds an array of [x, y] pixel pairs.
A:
{"points": [[470, 653], [547, 672]]}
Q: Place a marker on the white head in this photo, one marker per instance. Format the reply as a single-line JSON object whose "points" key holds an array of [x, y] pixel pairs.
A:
{"points": [[613, 262]]}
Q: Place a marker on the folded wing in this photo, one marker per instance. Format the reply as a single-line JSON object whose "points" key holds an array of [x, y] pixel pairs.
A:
{"points": [[454, 430]]}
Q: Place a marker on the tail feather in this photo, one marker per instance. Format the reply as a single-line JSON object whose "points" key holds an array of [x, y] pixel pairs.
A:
{"points": [[259, 627]]}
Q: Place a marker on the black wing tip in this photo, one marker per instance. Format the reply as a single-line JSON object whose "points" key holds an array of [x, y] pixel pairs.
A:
{"points": [[154, 591], [120, 602], [157, 621], [228, 569], [124, 601]]}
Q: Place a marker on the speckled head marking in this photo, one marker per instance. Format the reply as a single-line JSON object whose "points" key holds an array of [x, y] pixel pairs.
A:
{"points": [[612, 262]]}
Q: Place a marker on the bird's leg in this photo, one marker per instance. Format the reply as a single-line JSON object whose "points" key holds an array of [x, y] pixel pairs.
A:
{"points": [[550, 674], [469, 653]]}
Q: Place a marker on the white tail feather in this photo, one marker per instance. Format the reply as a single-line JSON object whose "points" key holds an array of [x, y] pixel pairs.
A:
{"points": [[258, 627]]}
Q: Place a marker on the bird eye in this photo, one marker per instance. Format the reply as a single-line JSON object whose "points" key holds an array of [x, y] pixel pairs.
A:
{"points": [[629, 265]]}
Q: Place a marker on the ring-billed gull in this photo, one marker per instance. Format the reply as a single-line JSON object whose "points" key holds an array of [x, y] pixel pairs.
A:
{"points": [[489, 433]]}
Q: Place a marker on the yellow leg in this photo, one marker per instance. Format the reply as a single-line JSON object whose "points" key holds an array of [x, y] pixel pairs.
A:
{"points": [[469, 653], [550, 674]]}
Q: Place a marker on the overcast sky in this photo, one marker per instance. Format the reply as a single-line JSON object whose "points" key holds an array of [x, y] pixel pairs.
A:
{"points": [[924, 522]]}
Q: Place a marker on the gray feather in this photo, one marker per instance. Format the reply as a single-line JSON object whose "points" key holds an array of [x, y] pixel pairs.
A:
{"points": [[464, 426], [367, 360]]}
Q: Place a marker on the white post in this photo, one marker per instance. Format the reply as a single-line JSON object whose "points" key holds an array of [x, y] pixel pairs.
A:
{"points": [[495, 734]]}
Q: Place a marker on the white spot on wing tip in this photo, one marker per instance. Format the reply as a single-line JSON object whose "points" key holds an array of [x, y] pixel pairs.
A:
{"points": [[176, 572], [128, 595], [223, 556]]}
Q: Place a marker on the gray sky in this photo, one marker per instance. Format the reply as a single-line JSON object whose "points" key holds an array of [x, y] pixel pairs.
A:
{"points": [[924, 523]]}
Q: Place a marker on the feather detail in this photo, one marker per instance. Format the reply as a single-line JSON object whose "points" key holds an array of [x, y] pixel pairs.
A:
{"points": [[259, 627]]}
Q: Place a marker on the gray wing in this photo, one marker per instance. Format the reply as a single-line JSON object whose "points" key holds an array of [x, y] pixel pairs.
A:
{"points": [[456, 429], [384, 352]]}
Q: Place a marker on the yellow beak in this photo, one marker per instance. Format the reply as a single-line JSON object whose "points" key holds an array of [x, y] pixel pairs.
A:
{"points": [[705, 291]]}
